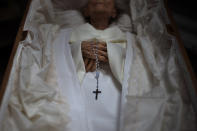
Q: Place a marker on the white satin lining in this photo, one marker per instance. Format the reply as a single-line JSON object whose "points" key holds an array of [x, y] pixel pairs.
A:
{"points": [[7, 94]]}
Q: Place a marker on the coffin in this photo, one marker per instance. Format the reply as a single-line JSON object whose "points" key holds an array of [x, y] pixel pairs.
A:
{"points": [[182, 56]]}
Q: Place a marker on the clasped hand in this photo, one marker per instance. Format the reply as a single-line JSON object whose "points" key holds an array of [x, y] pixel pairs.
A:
{"points": [[89, 57]]}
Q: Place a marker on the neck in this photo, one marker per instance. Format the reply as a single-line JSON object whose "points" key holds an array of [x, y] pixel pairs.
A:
{"points": [[100, 23]]}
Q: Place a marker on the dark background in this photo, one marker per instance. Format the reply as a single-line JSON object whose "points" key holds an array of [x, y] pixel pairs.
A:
{"points": [[11, 12]]}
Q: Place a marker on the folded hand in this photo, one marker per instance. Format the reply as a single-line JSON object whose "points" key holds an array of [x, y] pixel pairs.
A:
{"points": [[88, 53]]}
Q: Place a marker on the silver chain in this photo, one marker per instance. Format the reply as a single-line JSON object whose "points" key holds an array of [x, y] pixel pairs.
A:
{"points": [[96, 55], [95, 50]]}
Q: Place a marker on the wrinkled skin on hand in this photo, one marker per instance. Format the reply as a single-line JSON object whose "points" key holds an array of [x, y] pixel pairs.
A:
{"points": [[89, 57]]}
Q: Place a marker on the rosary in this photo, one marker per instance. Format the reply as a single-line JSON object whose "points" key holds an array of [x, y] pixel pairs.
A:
{"points": [[97, 91]]}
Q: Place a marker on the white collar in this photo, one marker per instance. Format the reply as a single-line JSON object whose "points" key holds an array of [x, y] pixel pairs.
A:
{"points": [[109, 34]]}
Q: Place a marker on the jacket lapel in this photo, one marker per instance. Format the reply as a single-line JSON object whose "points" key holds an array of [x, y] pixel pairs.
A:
{"points": [[69, 84], [125, 85]]}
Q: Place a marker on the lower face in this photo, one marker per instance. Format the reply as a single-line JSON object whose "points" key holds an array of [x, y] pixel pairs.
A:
{"points": [[101, 6]]}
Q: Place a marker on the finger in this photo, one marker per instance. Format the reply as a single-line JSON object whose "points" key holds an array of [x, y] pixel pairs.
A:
{"points": [[92, 56], [86, 61], [85, 44], [100, 46], [89, 65], [103, 59], [91, 47], [88, 49], [87, 54], [93, 68], [104, 48], [103, 53], [100, 52]]}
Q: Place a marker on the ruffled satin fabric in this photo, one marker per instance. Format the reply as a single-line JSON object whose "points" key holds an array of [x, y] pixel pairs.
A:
{"points": [[156, 97], [160, 101]]}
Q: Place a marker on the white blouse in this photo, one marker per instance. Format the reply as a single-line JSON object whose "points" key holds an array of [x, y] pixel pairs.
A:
{"points": [[102, 114]]}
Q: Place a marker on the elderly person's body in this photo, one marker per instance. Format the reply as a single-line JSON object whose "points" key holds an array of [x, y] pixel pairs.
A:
{"points": [[102, 99]]}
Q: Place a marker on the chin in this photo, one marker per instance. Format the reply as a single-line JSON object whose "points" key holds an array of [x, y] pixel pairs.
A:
{"points": [[100, 12], [99, 8]]}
